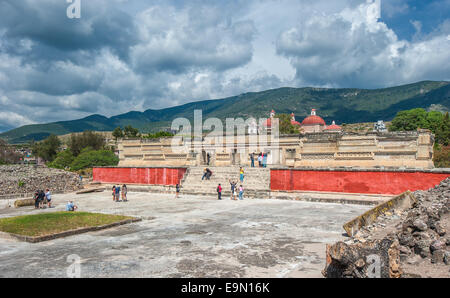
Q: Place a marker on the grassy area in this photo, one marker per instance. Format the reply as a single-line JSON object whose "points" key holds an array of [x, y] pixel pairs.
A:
{"points": [[55, 222]]}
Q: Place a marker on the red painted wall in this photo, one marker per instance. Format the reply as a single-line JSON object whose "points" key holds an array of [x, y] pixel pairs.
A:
{"points": [[353, 181], [152, 176]]}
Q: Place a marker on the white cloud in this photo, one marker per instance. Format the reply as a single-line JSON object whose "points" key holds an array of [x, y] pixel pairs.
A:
{"points": [[136, 55], [352, 48]]}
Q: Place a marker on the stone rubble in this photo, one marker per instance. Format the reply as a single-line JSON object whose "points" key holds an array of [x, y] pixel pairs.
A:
{"points": [[26, 179], [420, 232]]}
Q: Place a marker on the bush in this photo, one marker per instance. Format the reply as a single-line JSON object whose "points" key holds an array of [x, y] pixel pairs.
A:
{"points": [[441, 156], [160, 134], [93, 158]]}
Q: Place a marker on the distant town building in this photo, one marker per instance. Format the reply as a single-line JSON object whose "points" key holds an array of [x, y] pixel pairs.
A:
{"points": [[379, 126]]}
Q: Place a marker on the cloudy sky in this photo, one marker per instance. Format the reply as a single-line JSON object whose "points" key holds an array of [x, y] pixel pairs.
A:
{"points": [[124, 55]]}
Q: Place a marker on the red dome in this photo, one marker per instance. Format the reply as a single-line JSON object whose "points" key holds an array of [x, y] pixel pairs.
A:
{"points": [[313, 120], [333, 126], [293, 122]]}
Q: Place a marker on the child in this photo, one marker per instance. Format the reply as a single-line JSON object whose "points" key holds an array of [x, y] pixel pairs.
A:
{"points": [[241, 192], [114, 193], [48, 195]]}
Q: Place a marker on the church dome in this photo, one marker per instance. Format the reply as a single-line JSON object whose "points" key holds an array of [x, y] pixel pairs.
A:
{"points": [[333, 126], [313, 119]]}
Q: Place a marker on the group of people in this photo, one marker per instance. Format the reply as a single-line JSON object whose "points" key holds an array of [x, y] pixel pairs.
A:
{"points": [[42, 199], [116, 193], [235, 190], [262, 159]]}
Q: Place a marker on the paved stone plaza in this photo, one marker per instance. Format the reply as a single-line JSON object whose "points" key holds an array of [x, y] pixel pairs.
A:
{"points": [[191, 236]]}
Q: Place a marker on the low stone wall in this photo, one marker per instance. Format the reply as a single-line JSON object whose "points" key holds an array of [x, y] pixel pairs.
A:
{"points": [[399, 203], [356, 180], [21, 181]]}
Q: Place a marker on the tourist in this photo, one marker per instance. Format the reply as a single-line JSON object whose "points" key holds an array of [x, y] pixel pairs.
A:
{"points": [[241, 192], [177, 190], [71, 206], [208, 157], [252, 158], [36, 199], [117, 193], [260, 159], [265, 160], [219, 191], [205, 172], [233, 189], [48, 196], [41, 199], [208, 174], [114, 192], [124, 193], [241, 175]]}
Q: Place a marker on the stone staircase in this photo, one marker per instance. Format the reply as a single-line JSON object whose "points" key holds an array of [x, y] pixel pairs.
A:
{"points": [[256, 181]]}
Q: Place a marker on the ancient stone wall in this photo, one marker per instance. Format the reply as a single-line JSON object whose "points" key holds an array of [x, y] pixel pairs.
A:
{"points": [[316, 150]]}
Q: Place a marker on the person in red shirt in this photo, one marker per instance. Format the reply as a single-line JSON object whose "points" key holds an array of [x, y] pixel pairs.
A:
{"points": [[219, 191]]}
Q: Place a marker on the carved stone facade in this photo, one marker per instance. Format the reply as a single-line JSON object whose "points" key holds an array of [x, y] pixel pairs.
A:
{"points": [[318, 150]]}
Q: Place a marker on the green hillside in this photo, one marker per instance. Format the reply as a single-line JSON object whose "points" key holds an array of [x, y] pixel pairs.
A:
{"points": [[341, 105]]}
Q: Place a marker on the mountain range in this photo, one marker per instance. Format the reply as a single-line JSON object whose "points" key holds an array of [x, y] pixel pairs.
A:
{"points": [[346, 105]]}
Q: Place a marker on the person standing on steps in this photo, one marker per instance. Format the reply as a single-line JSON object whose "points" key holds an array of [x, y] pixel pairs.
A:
{"points": [[208, 158], [241, 175], [260, 159], [252, 158], [219, 191]]}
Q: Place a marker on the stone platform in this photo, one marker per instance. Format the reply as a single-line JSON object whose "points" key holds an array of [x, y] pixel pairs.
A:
{"points": [[193, 236]]}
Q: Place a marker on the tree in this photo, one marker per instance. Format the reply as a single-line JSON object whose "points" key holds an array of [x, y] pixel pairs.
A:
{"points": [[48, 148], [286, 127], [7, 153], [413, 119], [93, 158], [84, 140], [63, 160], [130, 131], [117, 133], [410, 120]]}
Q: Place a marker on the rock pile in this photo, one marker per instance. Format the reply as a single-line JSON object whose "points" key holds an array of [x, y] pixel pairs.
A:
{"points": [[421, 235], [26, 179]]}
